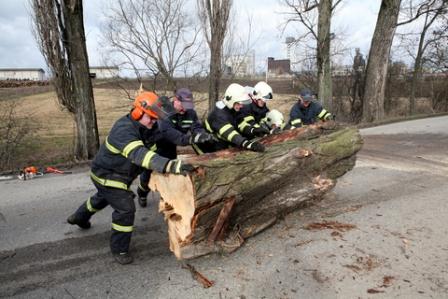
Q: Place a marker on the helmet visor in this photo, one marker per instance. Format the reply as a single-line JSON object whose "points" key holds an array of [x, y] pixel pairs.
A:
{"points": [[163, 107]]}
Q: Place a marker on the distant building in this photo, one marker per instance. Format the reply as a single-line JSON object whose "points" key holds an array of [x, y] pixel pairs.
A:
{"points": [[341, 70], [34, 74], [279, 67], [240, 65], [104, 72]]}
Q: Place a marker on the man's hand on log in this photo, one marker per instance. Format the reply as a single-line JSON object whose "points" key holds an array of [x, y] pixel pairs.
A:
{"points": [[178, 167], [253, 146], [201, 137]]}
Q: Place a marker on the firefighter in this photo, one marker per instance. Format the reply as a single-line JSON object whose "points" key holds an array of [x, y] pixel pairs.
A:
{"points": [[252, 117], [120, 159], [274, 121], [307, 111], [222, 122], [182, 128]]}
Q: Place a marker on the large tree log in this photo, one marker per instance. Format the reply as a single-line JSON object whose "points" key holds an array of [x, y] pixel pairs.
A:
{"points": [[235, 194]]}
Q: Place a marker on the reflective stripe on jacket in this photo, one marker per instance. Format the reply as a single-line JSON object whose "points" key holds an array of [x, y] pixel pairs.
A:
{"points": [[301, 115], [124, 154], [223, 123]]}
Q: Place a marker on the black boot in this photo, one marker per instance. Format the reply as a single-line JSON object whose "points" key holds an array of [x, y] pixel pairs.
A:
{"points": [[73, 220], [123, 258], [142, 201]]}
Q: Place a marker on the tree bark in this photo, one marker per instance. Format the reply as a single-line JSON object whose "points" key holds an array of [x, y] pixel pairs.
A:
{"points": [[214, 15], [215, 72], [325, 92], [87, 138], [235, 194], [60, 33], [373, 104]]}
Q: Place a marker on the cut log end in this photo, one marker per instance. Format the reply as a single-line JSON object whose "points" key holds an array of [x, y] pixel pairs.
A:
{"points": [[177, 205]]}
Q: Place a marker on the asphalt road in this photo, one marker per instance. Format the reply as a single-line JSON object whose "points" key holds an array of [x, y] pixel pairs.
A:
{"points": [[395, 197]]}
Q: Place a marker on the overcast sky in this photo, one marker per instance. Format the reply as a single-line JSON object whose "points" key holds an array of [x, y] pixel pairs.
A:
{"points": [[356, 18]]}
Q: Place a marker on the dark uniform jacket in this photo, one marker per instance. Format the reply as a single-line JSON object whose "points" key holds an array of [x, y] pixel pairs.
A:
{"points": [[301, 115], [177, 130], [223, 123], [249, 117], [126, 153]]}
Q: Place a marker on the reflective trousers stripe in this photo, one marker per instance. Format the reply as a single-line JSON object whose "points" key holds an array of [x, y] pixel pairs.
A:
{"points": [[142, 188], [109, 183], [89, 206], [122, 228]]}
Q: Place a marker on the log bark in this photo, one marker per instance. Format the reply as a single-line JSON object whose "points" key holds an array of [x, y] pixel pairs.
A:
{"points": [[235, 194]]}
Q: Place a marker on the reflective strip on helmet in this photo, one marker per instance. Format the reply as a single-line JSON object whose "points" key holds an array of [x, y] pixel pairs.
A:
{"points": [[147, 159], [296, 121], [225, 128], [109, 183], [322, 113], [231, 135], [111, 148], [131, 146], [122, 228], [89, 206]]}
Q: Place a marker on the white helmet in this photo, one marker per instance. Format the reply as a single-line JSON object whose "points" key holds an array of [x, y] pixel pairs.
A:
{"points": [[236, 93], [274, 118], [262, 91]]}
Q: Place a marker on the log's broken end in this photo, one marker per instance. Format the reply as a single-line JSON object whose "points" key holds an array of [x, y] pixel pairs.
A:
{"points": [[177, 205]]}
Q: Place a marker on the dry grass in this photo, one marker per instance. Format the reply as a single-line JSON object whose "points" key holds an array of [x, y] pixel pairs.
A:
{"points": [[52, 141]]}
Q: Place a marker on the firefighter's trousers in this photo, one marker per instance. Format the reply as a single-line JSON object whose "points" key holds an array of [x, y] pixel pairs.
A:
{"points": [[122, 201]]}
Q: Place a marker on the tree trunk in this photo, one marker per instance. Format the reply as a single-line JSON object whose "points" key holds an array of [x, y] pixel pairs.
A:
{"points": [[215, 71], [235, 194], [323, 55], [377, 64], [87, 139]]}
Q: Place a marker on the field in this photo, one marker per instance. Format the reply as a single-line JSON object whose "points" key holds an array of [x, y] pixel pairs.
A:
{"points": [[50, 139]]}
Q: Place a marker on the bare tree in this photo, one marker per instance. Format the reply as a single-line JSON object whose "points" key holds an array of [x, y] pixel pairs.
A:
{"points": [[214, 15], [158, 35], [59, 30], [373, 104], [431, 11], [303, 12], [436, 58]]}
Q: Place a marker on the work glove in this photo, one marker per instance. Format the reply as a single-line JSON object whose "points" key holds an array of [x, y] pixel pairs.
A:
{"points": [[201, 137], [276, 130], [259, 131], [178, 167], [253, 146]]}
